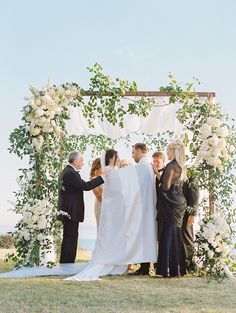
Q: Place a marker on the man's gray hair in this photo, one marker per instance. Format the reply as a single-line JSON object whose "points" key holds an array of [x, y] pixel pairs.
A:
{"points": [[74, 155]]}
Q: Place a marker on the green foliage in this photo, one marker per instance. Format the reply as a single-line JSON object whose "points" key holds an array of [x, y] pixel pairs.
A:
{"points": [[105, 99], [43, 139]]}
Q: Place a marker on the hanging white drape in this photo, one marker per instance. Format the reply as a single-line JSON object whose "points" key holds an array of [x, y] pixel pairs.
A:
{"points": [[161, 118]]}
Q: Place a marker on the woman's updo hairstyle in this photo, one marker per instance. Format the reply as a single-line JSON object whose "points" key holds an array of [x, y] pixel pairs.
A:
{"points": [[110, 154]]}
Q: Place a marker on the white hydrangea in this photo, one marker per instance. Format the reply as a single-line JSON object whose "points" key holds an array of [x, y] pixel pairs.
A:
{"points": [[205, 130], [222, 131], [42, 110], [213, 122], [213, 140], [213, 145]]}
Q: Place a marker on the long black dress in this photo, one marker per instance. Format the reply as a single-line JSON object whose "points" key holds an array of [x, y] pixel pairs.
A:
{"points": [[172, 205]]}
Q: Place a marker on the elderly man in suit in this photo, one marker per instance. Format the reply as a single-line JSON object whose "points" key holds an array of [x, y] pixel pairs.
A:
{"points": [[71, 201]]}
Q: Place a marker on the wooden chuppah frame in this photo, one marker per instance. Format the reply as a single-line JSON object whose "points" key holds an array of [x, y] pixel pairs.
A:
{"points": [[208, 95]]}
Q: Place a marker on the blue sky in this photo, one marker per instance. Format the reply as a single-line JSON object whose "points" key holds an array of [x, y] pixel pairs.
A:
{"points": [[135, 40]]}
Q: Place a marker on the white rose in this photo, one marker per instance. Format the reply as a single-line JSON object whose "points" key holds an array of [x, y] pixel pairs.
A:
{"points": [[29, 117], [38, 142], [213, 122], [57, 109], [61, 90], [213, 140], [42, 120], [214, 161], [52, 92], [35, 131], [52, 114], [226, 156], [222, 131], [65, 102], [221, 143], [227, 272], [216, 152], [214, 244], [47, 99], [73, 91], [205, 246], [26, 234], [42, 224], [226, 250], [40, 237], [53, 123], [47, 128], [205, 130], [210, 254], [56, 99], [39, 112]]}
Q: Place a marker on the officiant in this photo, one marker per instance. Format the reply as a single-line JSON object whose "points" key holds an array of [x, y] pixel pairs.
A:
{"points": [[71, 202]]}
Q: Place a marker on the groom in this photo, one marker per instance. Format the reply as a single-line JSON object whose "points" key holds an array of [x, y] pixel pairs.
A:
{"points": [[71, 201], [139, 154]]}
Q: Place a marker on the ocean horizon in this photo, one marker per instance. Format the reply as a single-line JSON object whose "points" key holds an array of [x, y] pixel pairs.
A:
{"points": [[87, 235]]}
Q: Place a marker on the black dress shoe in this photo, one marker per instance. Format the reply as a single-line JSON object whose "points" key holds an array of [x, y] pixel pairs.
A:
{"points": [[139, 272]]}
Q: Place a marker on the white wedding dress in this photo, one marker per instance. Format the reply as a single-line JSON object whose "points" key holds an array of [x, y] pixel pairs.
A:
{"points": [[127, 228]]}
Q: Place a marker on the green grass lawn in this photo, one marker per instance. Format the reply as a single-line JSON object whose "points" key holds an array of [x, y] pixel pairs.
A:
{"points": [[115, 294]]}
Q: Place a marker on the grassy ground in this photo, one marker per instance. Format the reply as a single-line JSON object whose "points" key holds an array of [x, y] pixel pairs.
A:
{"points": [[115, 294]]}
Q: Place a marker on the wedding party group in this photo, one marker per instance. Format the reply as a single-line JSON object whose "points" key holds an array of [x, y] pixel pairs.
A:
{"points": [[145, 211]]}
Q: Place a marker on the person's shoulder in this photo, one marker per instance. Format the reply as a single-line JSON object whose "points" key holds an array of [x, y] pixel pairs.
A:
{"points": [[68, 171]]}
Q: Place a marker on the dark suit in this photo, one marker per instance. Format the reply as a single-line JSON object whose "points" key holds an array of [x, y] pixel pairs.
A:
{"points": [[144, 267], [192, 196], [71, 201]]}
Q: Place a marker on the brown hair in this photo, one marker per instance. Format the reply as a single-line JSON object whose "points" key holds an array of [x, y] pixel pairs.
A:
{"points": [[110, 153], [96, 165], [141, 146], [159, 154]]}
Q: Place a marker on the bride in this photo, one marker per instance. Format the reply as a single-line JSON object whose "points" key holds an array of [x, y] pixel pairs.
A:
{"points": [[127, 230], [127, 233]]}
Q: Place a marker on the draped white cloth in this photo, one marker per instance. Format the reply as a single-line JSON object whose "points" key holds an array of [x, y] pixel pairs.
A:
{"points": [[127, 230], [160, 119]]}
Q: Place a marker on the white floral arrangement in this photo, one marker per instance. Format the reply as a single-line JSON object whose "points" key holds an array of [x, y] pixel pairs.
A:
{"points": [[43, 109], [213, 142], [213, 255], [35, 227]]}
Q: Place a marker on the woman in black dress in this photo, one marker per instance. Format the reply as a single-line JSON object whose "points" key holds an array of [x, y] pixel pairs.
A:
{"points": [[172, 205]]}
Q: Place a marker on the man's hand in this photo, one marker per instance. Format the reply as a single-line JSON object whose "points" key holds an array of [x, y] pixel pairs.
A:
{"points": [[156, 172], [191, 220]]}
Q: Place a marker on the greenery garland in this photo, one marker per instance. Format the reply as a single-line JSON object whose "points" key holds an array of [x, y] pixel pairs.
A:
{"points": [[209, 135]]}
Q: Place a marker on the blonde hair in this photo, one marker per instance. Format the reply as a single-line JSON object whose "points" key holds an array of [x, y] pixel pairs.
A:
{"points": [[179, 156]]}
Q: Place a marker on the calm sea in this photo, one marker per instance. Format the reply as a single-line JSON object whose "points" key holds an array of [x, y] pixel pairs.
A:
{"points": [[87, 244]]}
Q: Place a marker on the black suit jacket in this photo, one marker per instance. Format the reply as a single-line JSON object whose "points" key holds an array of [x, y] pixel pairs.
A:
{"points": [[191, 195], [71, 193], [158, 190]]}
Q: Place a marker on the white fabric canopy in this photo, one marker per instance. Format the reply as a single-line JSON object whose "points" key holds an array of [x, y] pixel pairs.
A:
{"points": [[161, 118]]}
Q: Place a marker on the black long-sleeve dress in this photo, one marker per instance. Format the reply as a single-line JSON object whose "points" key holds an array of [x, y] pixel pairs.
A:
{"points": [[172, 205]]}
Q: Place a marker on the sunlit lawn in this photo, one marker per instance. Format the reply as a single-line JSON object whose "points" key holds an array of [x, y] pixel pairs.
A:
{"points": [[115, 294]]}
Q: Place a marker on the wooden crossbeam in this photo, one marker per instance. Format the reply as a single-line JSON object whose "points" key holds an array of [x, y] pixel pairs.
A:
{"points": [[203, 94], [165, 94]]}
